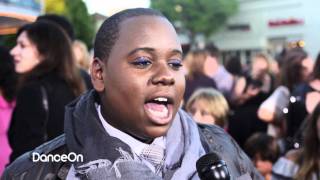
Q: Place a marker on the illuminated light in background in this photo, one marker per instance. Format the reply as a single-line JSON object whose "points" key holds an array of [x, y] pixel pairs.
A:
{"points": [[178, 8], [301, 43], [293, 99]]}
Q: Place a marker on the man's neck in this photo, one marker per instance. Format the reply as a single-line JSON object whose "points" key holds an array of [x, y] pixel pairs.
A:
{"points": [[144, 140]]}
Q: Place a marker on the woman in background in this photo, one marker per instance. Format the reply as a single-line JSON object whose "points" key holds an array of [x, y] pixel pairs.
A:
{"points": [[283, 112], [81, 55], [8, 81], [196, 77], [303, 163], [49, 80], [248, 93], [304, 98]]}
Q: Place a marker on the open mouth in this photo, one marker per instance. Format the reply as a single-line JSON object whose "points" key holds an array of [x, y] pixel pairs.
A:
{"points": [[16, 61], [159, 110]]}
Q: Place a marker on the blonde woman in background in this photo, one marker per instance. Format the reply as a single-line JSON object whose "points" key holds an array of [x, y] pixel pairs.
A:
{"points": [[208, 106], [81, 54]]}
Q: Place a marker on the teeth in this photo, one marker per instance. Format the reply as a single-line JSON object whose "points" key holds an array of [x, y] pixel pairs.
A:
{"points": [[161, 99]]}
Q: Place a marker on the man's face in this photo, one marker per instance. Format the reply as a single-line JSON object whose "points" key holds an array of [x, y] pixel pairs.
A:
{"points": [[143, 82]]}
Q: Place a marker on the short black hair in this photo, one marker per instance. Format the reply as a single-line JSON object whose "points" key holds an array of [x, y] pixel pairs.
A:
{"points": [[61, 21], [233, 66], [262, 145], [109, 30], [213, 50]]}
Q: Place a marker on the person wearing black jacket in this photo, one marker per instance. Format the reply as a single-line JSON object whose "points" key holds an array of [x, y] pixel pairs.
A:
{"points": [[304, 98], [135, 106], [48, 81]]}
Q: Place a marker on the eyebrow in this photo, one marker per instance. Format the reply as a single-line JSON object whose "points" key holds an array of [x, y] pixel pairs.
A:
{"points": [[149, 50], [152, 50], [176, 51]]}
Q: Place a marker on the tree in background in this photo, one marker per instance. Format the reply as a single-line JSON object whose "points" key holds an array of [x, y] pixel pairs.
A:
{"points": [[55, 6], [197, 16], [76, 11]]}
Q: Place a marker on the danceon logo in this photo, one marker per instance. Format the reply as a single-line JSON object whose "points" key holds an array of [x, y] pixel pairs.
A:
{"points": [[71, 157]]}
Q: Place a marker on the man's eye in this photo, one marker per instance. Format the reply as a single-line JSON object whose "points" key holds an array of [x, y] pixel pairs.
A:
{"points": [[141, 62], [175, 64]]}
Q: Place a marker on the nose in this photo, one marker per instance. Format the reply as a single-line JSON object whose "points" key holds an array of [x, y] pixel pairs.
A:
{"points": [[13, 51], [163, 75]]}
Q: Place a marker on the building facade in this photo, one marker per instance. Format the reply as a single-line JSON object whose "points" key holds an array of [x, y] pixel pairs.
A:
{"points": [[15, 13], [269, 26]]}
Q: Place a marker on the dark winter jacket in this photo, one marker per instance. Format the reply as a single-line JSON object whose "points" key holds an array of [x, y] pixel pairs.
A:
{"points": [[34, 123]]}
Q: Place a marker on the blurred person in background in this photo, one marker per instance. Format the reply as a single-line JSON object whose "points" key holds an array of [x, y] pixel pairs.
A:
{"points": [[8, 83], [302, 163], [214, 69], [272, 111], [81, 55], [187, 59], [65, 24], [303, 100], [248, 93], [263, 151], [208, 106], [134, 112], [258, 80], [234, 66], [49, 80], [296, 68], [196, 78]]}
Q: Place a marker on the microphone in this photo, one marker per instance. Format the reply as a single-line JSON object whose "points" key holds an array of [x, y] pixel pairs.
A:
{"points": [[212, 167]]}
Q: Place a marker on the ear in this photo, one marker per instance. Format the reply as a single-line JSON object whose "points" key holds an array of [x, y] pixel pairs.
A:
{"points": [[97, 70]]}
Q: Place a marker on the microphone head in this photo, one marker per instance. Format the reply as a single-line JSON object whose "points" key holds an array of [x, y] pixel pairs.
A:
{"points": [[212, 167], [207, 160]]}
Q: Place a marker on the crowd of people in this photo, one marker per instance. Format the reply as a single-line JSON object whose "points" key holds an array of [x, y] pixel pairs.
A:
{"points": [[143, 91]]}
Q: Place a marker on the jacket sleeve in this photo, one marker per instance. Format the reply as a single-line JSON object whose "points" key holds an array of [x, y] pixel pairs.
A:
{"points": [[27, 127]]}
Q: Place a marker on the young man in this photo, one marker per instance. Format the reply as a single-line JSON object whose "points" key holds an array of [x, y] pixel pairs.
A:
{"points": [[138, 86]]}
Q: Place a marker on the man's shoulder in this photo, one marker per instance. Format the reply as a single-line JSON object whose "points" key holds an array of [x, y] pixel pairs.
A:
{"points": [[25, 166], [216, 139], [215, 135], [220, 141]]}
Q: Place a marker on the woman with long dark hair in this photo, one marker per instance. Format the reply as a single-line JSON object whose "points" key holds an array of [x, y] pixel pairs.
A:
{"points": [[304, 97], [49, 80], [296, 68], [303, 163], [283, 109]]}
